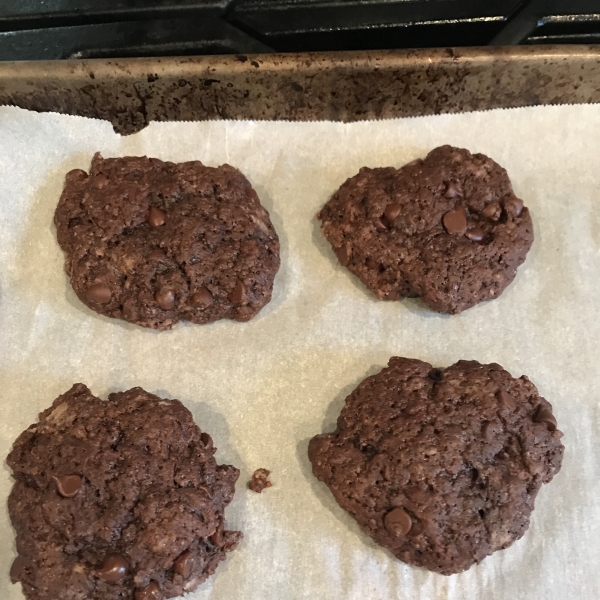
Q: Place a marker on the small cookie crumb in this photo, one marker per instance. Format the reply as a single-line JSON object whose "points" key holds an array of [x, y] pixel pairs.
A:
{"points": [[260, 480]]}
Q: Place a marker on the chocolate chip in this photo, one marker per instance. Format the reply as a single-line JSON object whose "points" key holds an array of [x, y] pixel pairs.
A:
{"points": [[184, 564], [475, 234], [150, 592], [391, 213], [17, 568], [238, 296], [544, 415], [455, 221], [157, 255], [417, 529], [156, 217], [201, 297], [217, 537], [68, 485], [344, 253], [506, 400], [206, 440], [514, 207], [165, 298], [492, 211], [100, 181], [113, 569], [77, 174], [379, 224], [451, 191], [99, 292], [397, 522]]}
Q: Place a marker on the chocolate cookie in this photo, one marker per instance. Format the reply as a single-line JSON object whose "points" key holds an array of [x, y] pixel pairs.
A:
{"points": [[448, 229], [441, 467], [118, 499], [152, 242]]}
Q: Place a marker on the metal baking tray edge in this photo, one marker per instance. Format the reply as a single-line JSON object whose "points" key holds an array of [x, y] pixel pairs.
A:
{"points": [[337, 86]]}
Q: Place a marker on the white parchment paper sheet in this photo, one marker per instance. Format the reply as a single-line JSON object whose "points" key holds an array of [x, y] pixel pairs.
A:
{"points": [[262, 389]]}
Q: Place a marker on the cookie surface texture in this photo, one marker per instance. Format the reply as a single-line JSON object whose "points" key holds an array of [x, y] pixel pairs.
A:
{"points": [[442, 468], [117, 499], [447, 229], [153, 242]]}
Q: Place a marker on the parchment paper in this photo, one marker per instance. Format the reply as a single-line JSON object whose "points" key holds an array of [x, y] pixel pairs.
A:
{"points": [[262, 389]]}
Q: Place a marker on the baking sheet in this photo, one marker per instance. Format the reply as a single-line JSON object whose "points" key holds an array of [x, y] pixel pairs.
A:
{"points": [[306, 86], [262, 389]]}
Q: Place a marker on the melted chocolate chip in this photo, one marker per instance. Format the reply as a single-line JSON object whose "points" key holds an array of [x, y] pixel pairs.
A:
{"points": [[455, 221], [150, 592], [514, 207], [217, 537], [68, 485], [165, 298], [156, 217], [397, 522], [391, 213], [77, 174], [475, 234], [238, 296], [492, 211], [417, 529], [344, 253], [99, 292], [451, 191], [113, 569], [506, 400], [184, 564], [157, 255], [544, 415], [17, 568], [201, 297], [379, 224], [100, 181]]}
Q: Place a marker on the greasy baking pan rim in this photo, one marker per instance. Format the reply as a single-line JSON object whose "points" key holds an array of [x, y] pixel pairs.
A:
{"points": [[336, 86]]}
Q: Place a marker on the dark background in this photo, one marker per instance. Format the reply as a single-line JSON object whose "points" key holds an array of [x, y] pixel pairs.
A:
{"points": [[63, 29]]}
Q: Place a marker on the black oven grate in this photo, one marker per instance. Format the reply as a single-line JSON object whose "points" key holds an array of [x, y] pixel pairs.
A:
{"points": [[63, 29]]}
